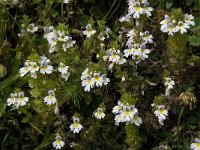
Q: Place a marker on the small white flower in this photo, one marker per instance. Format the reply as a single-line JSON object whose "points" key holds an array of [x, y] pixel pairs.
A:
{"points": [[22, 99], [12, 99], [169, 83], [33, 67], [76, 126], [98, 79], [146, 37], [105, 79], [123, 79], [32, 28], [99, 113], [189, 19], [114, 57], [58, 143], [182, 27], [65, 76], [63, 69], [164, 23], [45, 67], [128, 52], [161, 113], [89, 31], [147, 9], [170, 29], [195, 145], [136, 10], [65, 1], [137, 120], [88, 83], [50, 99]]}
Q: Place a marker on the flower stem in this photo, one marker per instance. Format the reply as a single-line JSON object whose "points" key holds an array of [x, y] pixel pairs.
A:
{"points": [[178, 125]]}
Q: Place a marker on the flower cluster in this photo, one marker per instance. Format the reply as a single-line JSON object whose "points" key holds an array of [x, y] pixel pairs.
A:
{"points": [[76, 126], [99, 113], [31, 28], [195, 145], [90, 79], [58, 143], [64, 70], [172, 26], [161, 113], [32, 67], [137, 49], [89, 31], [169, 83], [50, 99], [136, 8], [17, 99], [54, 36], [126, 113], [114, 56]]}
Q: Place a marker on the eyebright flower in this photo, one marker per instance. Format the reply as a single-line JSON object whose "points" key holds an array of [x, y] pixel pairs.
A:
{"points": [[58, 143], [24, 70], [169, 83], [17, 99], [50, 99], [32, 28], [182, 27], [45, 67], [99, 113], [62, 68], [189, 19], [195, 145], [161, 113], [76, 126], [90, 80], [89, 31], [126, 113]]}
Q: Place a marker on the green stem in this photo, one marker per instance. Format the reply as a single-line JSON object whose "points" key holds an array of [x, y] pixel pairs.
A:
{"points": [[105, 17], [178, 125]]}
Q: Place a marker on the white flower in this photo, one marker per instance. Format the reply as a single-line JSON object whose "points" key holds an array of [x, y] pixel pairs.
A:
{"points": [[146, 37], [137, 120], [121, 61], [123, 79], [24, 70], [22, 100], [147, 10], [182, 27], [118, 119], [170, 29], [76, 126], [58, 143], [85, 73], [128, 112], [62, 37], [114, 57], [117, 108], [98, 79], [105, 79], [161, 113], [88, 83], [33, 67], [195, 145], [32, 28], [12, 99], [128, 52], [65, 76], [136, 10], [169, 83], [65, 1], [99, 113], [189, 19], [164, 23], [89, 31], [63, 69], [50, 99], [144, 52], [45, 68]]}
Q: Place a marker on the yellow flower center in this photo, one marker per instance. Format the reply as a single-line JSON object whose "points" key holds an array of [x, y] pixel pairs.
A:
{"points": [[76, 125], [197, 145], [137, 8], [127, 113], [97, 78], [99, 114], [59, 142], [21, 98]]}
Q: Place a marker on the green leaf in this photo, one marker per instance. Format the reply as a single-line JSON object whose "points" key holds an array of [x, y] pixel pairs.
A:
{"points": [[189, 2], [36, 128], [8, 81], [84, 20], [2, 108], [169, 4], [3, 71], [96, 12], [194, 40], [151, 83]]}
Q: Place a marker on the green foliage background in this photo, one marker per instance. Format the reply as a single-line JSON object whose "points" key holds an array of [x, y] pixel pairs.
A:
{"points": [[34, 126]]}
